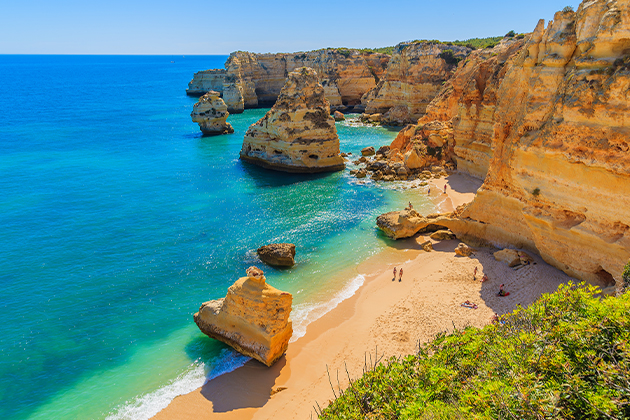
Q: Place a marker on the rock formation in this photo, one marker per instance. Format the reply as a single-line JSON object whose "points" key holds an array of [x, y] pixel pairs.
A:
{"points": [[211, 114], [251, 80], [253, 318], [281, 255], [415, 75], [298, 134], [558, 182], [458, 126]]}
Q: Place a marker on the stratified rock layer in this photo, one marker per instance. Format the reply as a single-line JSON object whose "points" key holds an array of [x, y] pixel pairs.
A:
{"points": [[297, 134], [253, 318], [558, 182], [458, 125], [415, 75], [251, 80], [211, 114]]}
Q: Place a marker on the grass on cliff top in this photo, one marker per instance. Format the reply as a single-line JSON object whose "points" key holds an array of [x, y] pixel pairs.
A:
{"points": [[564, 357]]}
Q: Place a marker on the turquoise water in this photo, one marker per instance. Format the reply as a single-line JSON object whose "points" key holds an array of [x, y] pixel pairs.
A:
{"points": [[119, 219]]}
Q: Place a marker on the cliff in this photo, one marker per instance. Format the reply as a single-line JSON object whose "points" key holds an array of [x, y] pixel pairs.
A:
{"points": [[415, 75], [253, 318], [558, 181], [210, 112], [251, 80], [297, 134], [458, 125]]}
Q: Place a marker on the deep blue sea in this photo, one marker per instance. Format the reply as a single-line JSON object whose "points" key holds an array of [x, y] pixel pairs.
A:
{"points": [[118, 219]]}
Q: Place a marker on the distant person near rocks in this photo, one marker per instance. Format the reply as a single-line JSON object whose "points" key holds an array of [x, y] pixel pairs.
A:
{"points": [[394, 274], [401, 271]]}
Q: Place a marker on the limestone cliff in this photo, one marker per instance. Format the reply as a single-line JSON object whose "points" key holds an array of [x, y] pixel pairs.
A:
{"points": [[211, 115], [458, 125], [297, 134], [251, 80], [415, 75], [253, 318], [558, 181]]}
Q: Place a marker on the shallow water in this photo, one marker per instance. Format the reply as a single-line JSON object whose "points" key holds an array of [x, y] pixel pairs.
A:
{"points": [[119, 219]]}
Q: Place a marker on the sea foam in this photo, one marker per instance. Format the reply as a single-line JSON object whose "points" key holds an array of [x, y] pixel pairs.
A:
{"points": [[148, 405]]}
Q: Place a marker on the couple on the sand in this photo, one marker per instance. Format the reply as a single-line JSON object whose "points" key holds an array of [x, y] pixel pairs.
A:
{"points": [[401, 273]]}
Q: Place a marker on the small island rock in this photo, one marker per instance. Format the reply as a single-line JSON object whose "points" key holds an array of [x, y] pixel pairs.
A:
{"points": [[298, 133], [253, 318], [281, 255], [368, 151], [210, 112], [339, 116]]}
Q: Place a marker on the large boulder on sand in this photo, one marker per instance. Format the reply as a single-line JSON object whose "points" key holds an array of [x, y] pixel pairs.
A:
{"points": [[253, 318], [210, 112], [281, 255], [512, 257], [463, 250], [442, 235], [413, 161]]}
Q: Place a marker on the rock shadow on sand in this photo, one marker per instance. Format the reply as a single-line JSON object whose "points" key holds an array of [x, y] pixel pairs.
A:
{"points": [[249, 386]]}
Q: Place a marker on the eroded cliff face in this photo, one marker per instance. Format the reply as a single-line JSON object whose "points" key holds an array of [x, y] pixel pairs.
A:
{"points": [[253, 318], [297, 134], [458, 125], [558, 181], [415, 75], [251, 80]]}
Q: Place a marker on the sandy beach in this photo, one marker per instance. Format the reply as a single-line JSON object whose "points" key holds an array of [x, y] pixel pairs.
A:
{"points": [[386, 317]]}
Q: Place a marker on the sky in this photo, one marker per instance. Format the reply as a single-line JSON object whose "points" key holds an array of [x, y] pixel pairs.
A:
{"points": [[213, 27]]}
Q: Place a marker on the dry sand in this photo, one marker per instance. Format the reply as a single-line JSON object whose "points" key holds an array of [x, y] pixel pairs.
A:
{"points": [[385, 315]]}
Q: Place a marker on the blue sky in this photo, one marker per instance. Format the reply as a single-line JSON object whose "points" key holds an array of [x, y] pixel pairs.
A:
{"points": [[213, 27]]}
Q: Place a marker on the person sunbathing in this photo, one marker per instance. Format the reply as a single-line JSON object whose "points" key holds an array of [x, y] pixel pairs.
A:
{"points": [[469, 304], [484, 278], [502, 292]]}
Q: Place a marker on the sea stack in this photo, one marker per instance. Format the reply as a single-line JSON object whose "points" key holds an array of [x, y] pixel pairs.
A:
{"points": [[298, 134], [280, 255], [211, 114], [253, 318]]}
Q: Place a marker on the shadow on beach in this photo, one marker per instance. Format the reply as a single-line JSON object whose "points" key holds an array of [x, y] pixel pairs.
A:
{"points": [[246, 387]]}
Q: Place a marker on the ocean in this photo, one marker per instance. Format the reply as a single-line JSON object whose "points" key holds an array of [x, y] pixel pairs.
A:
{"points": [[118, 219]]}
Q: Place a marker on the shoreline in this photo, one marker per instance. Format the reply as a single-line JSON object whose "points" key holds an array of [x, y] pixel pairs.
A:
{"points": [[384, 316]]}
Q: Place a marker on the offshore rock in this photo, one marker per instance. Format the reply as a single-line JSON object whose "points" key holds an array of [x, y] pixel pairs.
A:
{"points": [[339, 116], [415, 75], [210, 112], [281, 255], [253, 80], [297, 134], [253, 318]]}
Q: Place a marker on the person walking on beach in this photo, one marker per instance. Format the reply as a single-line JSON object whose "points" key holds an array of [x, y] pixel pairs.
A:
{"points": [[475, 274], [429, 191], [400, 278], [394, 274], [444, 188]]}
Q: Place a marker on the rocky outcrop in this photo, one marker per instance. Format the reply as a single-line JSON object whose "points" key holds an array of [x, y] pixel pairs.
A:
{"points": [[415, 75], [253, 318], [210, 112], [558, 182], [458, 126], [281, 255], [298, 134], [251, 80]]}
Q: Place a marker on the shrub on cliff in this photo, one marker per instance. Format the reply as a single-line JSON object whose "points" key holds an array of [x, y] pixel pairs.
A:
{"points": [[565, 356], [626, 277], [447, 55]]}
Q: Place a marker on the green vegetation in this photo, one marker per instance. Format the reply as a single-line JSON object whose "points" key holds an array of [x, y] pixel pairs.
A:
{"points": [[567, 9], [564, 357], [536, 192], [447, 55], [472, 43], [626, 276], [510, 34]]}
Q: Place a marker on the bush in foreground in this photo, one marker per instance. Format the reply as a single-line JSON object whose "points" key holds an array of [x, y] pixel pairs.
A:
{"points": [[565, 356]]}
